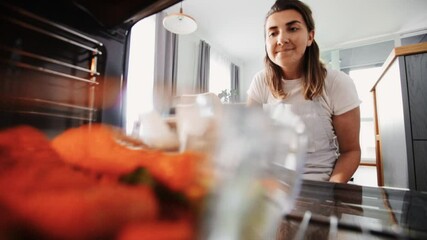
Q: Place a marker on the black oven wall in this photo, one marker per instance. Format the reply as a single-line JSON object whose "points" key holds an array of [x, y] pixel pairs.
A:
{"points": [[63, 62]]}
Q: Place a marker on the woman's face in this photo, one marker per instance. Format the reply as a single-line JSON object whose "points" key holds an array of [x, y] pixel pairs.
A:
{"points": [[287, 38]]}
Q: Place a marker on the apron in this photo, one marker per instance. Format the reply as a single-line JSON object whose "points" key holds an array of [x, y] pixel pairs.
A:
{"points": [[322, 148]]}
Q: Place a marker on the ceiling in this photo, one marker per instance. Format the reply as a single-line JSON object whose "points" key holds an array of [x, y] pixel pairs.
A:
{"points": [[236, 26]]}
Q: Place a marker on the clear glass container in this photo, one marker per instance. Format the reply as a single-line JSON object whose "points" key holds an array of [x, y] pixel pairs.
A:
{"points": [[258, 165]]}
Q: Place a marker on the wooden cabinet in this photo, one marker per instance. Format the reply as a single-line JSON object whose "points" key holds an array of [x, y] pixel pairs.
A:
{"points": [[400, 98]]}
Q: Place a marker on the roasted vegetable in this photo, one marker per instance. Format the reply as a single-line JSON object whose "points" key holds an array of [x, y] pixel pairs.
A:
{"points": [[92, 182]]}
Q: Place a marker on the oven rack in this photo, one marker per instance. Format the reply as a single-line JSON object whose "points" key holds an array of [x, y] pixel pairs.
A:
{"points": [[46, 70], [35, 17], [47, 59], [333, 226], [39, 72], [84, 113]]}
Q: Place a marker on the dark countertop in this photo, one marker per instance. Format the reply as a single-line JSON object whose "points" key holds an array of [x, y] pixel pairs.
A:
{"points": [[361, 212]]}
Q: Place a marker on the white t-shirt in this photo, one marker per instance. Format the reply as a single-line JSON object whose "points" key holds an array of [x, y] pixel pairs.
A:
{"points": [[339, 96]]}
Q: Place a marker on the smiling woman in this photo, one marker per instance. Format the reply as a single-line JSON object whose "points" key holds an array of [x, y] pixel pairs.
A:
{"points": [[325, 99], [287, 38], [239, 37]]}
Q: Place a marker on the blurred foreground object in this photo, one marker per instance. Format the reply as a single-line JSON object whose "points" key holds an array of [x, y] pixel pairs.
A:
{"points": [[42, 197], [155, 131], [92, 182], [196, 118], [103, 148], [258, 163]]}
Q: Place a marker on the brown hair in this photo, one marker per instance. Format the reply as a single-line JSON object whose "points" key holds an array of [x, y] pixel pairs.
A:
{"points": [[314, 72]]}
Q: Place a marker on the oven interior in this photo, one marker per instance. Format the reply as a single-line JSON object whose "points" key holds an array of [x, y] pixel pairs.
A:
{"points": [[63, 63]]}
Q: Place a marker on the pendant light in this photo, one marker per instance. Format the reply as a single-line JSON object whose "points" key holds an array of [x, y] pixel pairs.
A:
{"points": [[179, 23]]}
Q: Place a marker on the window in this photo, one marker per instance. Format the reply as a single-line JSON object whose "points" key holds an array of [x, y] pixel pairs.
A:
{"points": [[140, 79], [219, 73], [364, 80], [363, 64]]}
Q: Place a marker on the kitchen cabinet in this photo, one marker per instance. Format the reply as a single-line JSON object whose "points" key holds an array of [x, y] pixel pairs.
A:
{"points": [[400, 99]]}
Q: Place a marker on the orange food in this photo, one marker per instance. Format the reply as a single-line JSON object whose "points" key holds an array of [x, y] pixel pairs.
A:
{"points": [[182, 173], [24, 145], [158, 230], [28, 163], [42, 194], [96, 212], [68, 188], [177, 171], [23, 137], [97, 147]]}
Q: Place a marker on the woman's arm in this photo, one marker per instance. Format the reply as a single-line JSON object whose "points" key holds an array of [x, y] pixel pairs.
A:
{"points": [[347, 129]]}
